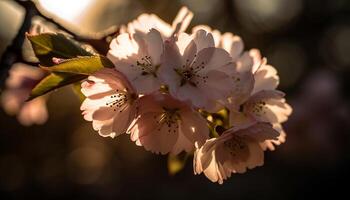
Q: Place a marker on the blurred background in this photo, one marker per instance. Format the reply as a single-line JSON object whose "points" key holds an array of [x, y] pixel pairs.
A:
{"points": [[307, 41]]}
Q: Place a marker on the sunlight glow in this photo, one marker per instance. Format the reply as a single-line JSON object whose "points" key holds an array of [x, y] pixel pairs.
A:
{"points": [[69, 10]]}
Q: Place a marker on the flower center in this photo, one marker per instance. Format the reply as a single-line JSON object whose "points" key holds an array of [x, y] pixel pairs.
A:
{"points": [[259, 108], [146, 66], [119, 100], [168, 118], [235, 146], [190, 73]]}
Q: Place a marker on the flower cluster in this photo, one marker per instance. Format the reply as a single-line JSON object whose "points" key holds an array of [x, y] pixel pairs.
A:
{"points": [[172, 91], [168, 87]]}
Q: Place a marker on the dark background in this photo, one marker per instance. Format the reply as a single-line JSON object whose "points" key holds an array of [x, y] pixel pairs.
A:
{"points": [[308, 41]]}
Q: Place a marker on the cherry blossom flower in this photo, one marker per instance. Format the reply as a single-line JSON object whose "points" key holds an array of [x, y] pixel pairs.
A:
{"points": [[165, 125], [196, 71], [246, 63], [109, 102], [255, 98], [21, 81], [266, 106], [138, 57], [137, 51], [145, 22], [250, 73], [258, 98], [234, 151]]}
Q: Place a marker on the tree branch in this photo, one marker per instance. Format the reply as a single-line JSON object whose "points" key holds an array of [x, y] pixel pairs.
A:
{"points": [[13, 52], [98, 41]]}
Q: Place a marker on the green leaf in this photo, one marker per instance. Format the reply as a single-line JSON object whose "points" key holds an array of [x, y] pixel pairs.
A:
{"points": [[177, 162], [54, 81], [76, 87], [81, 65], [49, 45]]}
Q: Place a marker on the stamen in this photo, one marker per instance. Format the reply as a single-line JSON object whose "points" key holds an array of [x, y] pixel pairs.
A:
{"points": [[190, 73], [168, 118], [234, 145], [146, 66], [259, 108], [118, 101]]}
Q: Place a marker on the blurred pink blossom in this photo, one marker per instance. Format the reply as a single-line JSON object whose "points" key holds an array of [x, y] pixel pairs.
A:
{"points": [[19, 85]]}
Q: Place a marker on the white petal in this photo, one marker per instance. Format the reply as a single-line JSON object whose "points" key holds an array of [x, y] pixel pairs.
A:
{"points": [[217, 85], [232, 44], [159, 139], [188, 92], [122, 47], [182, 20], [171, 60], [203, 40], [266, 78], [146, 84], [182, 144], [241, 88], [194, 127], [190, 53], [260, 132], [104, 128], [240, 119], [256, 157], [270, 144], [216, 34], [215, 59], [149, 103], [146, 22], [245, 63], [183, 41], [154, 44]]}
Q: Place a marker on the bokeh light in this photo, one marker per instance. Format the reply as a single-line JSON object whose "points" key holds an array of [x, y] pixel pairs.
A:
{"points": [[262, 15], [290, 61], [335, 47]]}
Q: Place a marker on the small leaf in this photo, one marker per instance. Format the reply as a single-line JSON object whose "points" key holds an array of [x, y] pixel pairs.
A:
{"points": [[54, 81], [177, 162], [81, 65], [49, 45]]}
